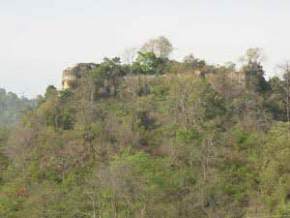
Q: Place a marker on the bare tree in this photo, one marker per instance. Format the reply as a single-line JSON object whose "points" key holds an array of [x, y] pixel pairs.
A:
{"points": [[253, 55], [160, 46], [129, 55]]}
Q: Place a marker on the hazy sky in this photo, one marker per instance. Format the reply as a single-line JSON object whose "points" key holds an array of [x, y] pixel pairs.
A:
{"points": [[39, 38]]}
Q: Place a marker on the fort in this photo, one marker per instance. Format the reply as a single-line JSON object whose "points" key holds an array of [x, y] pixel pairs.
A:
{"points": [[71, 75]]}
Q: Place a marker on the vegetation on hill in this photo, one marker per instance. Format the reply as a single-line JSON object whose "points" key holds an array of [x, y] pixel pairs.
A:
{"points": [[153, 138], [12, 107]]}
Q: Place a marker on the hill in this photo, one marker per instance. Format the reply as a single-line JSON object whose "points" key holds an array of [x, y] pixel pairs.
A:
{"points": [[152, 138]]}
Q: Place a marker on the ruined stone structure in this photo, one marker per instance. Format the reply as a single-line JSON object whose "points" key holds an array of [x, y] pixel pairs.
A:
{"points": [[71, 75], [238, 77]]}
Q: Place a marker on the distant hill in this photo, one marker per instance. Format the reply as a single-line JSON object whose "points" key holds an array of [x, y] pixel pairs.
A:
{"points": [[11, 107]]}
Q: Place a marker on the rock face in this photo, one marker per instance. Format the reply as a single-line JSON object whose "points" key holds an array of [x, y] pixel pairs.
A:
{"points": [[71, 75]]}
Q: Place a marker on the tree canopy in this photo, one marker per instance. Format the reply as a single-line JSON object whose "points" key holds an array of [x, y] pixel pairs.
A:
{"points": [[151, 138]]}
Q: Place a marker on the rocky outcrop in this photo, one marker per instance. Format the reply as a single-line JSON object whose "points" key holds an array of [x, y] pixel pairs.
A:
{"points": [[71, 75]]}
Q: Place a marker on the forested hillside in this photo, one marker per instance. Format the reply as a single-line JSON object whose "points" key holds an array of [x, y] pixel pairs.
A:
{"points": [[12, 107], [153, 138]]}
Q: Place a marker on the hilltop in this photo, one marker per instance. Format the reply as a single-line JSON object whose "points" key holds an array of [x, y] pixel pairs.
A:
{"points": [[154, 137]]}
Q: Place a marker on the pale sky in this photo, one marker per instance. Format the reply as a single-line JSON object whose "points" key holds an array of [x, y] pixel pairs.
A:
{"points": [[39, 38]]}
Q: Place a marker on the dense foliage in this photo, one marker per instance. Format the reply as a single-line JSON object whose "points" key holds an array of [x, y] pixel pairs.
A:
{"points": [[11, 108], [155, 138]]}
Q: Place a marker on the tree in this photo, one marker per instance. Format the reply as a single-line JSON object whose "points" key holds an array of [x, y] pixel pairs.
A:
{"points": [[254, 72], [253, 55], [275, 171], [129, 55], [286, 88], [160, 46], [107, 76], [13, 107], [50, 92], [193, 62], [148, 63], [276, 101]]}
